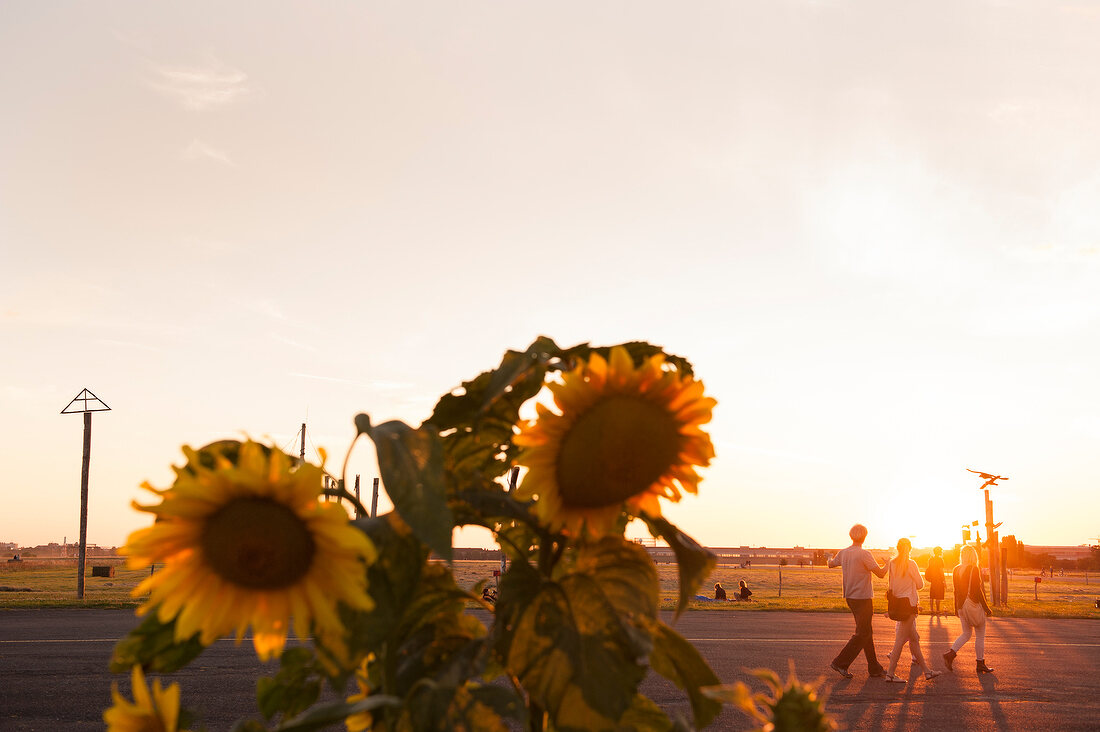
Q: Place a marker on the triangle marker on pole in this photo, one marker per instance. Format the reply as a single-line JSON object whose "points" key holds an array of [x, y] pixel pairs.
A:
{"points": [[89, 402]]}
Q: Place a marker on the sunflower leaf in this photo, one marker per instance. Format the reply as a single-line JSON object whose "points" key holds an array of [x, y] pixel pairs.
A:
{"points": [[392, 580], [293, 689], [330, 713], [639, 351], [153, 646], [576, 644], [695, 562], [645, 716], [679, 661], [480, 417], [471, 706], [411, 463]]}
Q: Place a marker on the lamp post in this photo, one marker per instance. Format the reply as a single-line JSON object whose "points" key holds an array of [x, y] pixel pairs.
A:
{"points": [[88, 403]]}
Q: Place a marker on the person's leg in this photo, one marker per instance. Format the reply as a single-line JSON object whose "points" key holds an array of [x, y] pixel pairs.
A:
{"points": [[963, 637], [900, 637], [914, 645], [851, 649], [979, 642], [864, 612]]}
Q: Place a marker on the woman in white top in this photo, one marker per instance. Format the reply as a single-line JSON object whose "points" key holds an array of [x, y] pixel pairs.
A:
{"points": [[905, 584]]}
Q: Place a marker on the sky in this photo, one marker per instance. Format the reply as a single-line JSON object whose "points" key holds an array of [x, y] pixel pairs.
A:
{"points": [[871, 226]]}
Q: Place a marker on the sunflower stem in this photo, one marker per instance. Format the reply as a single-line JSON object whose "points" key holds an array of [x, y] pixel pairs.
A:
{"points": [[342, 492]]}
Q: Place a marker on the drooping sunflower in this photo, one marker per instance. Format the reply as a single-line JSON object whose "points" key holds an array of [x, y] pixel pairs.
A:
{"points": [[622, 436], [158, 711], [245, 541]]}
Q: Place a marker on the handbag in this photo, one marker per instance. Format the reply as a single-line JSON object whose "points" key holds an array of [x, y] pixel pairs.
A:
{"points": [[899, 608]]}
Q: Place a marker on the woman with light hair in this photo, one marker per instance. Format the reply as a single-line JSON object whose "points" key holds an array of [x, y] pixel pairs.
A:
{"points": [[905, 585], [971, 607]]}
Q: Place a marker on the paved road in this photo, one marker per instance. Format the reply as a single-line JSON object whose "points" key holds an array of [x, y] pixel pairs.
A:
{"points": [[53, 671]]}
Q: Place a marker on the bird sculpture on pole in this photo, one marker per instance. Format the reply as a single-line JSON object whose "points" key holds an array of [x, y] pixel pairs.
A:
{"points": [[989, 478]]}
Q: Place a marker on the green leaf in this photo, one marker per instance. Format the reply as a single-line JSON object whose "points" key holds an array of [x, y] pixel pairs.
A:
{"points": [[577, 644], [694, 562], [323, 715], [152, 645], [411, 463], [644, 716], [639, 351], [479, 420], [293, 689], [392, 582], [680, 662], [433, 707]]}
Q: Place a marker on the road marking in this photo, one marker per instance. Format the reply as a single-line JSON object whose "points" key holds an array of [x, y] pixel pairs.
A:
{"points": [[845, 640], [100, 640], [691, 640]]}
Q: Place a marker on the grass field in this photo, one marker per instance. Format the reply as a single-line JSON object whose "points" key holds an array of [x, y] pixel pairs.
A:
{"points": [[41, 584]]}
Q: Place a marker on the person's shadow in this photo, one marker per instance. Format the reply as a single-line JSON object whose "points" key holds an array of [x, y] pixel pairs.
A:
{"points": [[939, 640]]}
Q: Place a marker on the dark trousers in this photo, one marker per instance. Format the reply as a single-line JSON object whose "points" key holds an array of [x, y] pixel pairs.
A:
{"points": [[863, 640]]}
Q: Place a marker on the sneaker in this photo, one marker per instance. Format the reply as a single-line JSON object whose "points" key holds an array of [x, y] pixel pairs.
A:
{"points": [[842, 671]]}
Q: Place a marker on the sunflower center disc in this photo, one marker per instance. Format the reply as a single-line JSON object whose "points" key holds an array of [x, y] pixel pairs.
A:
{"points": [[257, 543], [616, 450]]}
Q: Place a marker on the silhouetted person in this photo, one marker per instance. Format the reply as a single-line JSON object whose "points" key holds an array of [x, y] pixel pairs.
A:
{"points": [[743, 591], [905, 584], [719, 591], [936, 583], [971, 607], [858, 565]]}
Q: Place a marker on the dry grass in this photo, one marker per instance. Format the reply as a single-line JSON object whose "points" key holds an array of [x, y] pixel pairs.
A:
{"points": [[804, 589]]}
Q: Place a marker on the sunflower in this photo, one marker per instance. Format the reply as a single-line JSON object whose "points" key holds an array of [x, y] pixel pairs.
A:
{"points": [[246, 542], [155, 712], [622, 435]]}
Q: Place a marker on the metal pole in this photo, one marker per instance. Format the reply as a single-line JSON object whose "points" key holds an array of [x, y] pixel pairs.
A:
{"points": [[357, 504], [1004, 576], [83, 551], [374, 500], [302, 453]]}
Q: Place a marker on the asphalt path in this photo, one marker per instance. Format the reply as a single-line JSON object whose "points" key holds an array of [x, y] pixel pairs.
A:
{"points": [[53, 671]]}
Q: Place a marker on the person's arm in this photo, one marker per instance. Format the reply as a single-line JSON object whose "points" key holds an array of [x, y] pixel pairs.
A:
{"points": [[915, 571], [833, 561], [978, 588], [872, 564]]}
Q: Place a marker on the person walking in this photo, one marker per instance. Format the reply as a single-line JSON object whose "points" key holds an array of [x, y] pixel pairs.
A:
{"points": [[936, 583], [971, 607], [905, 585], [857, 566]]}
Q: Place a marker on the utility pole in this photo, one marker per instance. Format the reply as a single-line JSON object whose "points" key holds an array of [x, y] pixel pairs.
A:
{"points": [[302, 452], [89, 403], [357, 503], [992, 541]]}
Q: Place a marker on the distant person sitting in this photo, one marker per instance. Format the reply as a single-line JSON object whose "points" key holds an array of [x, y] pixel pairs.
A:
{"points": [[489, 595], [743, 592], [719, 591]]}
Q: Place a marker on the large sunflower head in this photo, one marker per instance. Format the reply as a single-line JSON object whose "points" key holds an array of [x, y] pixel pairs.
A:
{"points": [[622, 436], [155, 710], [246, 542]]}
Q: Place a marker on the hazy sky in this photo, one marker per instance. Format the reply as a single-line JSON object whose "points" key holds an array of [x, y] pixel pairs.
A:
{"points": [[873, 227]]}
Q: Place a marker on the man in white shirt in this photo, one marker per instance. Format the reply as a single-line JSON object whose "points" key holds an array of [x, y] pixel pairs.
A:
{"points": [[858, 565]]}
